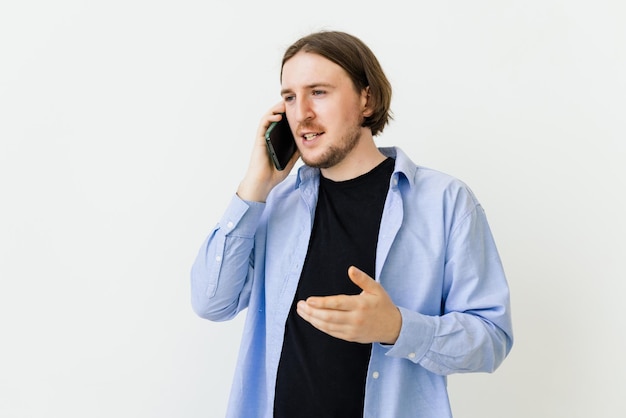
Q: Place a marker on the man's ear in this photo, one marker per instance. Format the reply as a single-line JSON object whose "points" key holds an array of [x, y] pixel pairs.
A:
{"points": [[366, 102]]}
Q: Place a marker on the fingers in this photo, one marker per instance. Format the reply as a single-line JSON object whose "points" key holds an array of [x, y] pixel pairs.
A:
{"points": [[346, 302], [334, 322], [336, 302], [363, 280], [274, 114], [278, 108]]}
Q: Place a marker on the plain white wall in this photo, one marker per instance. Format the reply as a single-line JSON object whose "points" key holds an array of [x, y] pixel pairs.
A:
{"points": [[125, 128]]}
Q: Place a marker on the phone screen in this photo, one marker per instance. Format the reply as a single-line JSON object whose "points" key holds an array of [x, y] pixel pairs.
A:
{"points": [[280, 143]]}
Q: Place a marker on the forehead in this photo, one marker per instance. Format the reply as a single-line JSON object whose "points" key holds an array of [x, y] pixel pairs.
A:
{"points": [[308, 68]]}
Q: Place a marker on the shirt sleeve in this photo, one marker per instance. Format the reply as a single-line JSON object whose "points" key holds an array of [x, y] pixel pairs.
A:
{"points": [[474, 332], [222, 271]]}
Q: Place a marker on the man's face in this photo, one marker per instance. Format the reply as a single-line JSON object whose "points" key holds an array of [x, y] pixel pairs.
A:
{"points": [[323, 108]]}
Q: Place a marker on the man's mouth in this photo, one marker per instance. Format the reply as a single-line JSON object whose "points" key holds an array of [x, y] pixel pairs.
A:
{"points": [[310, 136]]}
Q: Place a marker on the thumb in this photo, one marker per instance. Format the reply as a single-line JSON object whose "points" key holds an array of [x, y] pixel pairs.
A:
{"points": [[362, 279]]}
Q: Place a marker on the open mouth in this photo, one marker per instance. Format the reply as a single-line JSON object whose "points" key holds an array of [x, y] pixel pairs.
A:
{"points": [[310, 136]]}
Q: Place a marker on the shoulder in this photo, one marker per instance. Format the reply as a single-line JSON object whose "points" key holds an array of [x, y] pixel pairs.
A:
{"points": [[433, 196], [427, 183], [431, 182]]}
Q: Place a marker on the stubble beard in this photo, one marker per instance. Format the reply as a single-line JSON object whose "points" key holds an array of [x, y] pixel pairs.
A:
{"points": [[336, 153]]}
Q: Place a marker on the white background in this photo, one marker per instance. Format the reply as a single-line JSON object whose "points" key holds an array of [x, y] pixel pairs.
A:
{"points": [[125, 128]]}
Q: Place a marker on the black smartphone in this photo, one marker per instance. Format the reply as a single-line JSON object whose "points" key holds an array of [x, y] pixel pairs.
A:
{"points": [[280, 143]]}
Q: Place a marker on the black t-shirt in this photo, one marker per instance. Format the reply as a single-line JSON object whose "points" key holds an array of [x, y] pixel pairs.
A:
{"points": [[320, 376]]}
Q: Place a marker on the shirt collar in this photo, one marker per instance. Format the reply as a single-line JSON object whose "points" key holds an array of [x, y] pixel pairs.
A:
{"points": [[404, 167]]}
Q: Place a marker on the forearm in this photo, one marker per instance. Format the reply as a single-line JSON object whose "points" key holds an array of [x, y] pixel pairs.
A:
{"points": [[221, 270]]}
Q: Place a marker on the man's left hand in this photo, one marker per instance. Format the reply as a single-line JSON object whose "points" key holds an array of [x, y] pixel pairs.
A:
{"points": [[368, 317]]}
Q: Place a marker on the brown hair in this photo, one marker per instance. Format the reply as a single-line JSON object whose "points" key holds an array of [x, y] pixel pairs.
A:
{"points": [[351, 54]]}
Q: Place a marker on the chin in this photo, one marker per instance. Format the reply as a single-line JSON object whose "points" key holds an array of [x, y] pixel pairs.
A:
{"points": [[325, 160], [313, 162]]}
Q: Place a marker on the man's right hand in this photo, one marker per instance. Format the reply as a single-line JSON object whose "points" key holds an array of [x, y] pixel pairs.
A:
{"points": [[261, 176]]}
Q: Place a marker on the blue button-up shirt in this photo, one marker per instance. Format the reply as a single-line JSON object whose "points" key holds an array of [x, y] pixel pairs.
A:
{"points": [[436, 258]]}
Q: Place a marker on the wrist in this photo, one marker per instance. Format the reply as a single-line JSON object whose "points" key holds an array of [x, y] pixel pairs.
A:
{"points": [[252, 192], [394, 329]]}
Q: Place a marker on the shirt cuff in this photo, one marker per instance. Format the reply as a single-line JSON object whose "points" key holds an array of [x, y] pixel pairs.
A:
{"points": [[241, 217], [416, 336]]}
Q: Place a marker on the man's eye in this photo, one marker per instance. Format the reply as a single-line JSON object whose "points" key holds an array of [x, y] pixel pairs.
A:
{"points": [[288, 98], [318, 92]]}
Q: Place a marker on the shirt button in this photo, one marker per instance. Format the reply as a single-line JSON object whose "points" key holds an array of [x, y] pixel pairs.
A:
{"points": [[375, 375], [218, 258], [230, 225], [411, 355]]}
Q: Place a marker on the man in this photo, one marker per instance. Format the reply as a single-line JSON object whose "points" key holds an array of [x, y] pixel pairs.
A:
{"points": [[367, 279]]}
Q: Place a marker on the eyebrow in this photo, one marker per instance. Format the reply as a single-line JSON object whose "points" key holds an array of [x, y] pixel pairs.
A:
{"points": [[312, 86]]}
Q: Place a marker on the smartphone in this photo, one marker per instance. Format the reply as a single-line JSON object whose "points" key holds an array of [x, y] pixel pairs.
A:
{"points": [[280, 143]]}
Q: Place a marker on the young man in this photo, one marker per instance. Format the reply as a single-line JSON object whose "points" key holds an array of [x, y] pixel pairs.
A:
{"points": [[367, 279]]}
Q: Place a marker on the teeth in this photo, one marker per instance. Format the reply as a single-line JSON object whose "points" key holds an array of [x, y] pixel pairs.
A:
{"points": [[310, 136]]}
